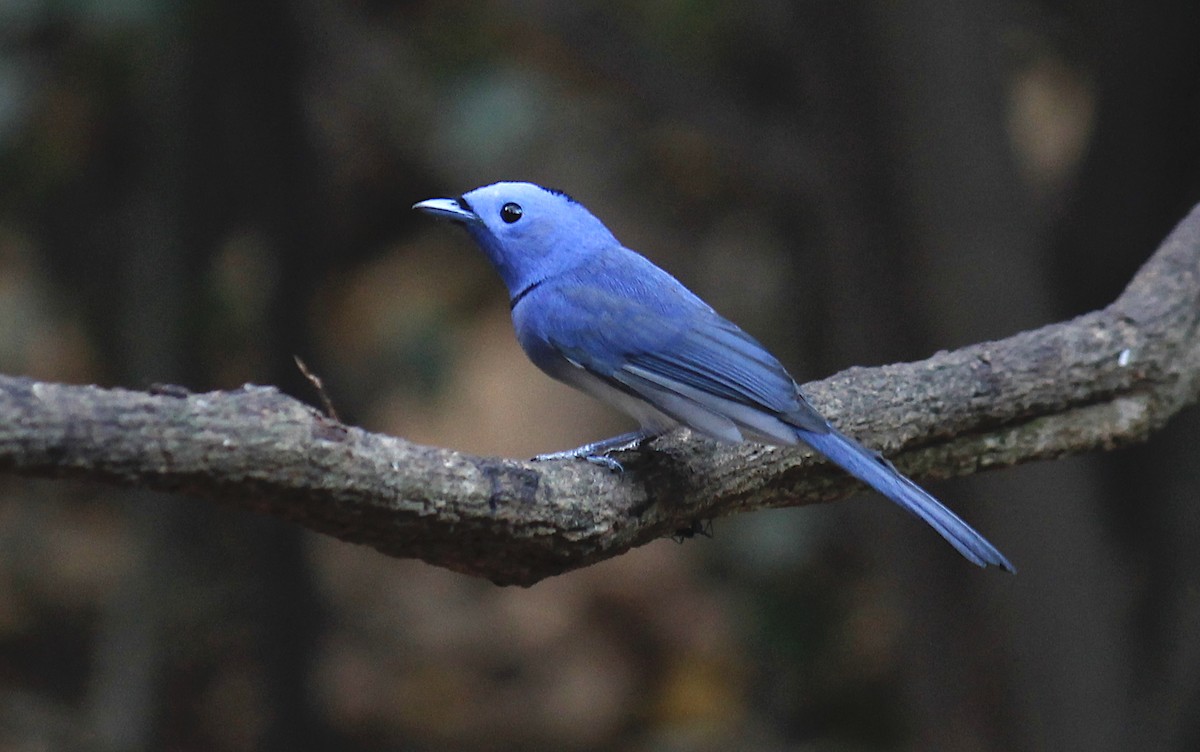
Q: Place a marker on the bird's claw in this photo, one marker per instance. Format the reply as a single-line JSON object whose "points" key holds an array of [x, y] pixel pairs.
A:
{"points": [[598, 452], [605, 461], [596, 459]]}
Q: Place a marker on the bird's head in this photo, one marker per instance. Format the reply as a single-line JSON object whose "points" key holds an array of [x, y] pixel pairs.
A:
{"points": [[528, 232]]}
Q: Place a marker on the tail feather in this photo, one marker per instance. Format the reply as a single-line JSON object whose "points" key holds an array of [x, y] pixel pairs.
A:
{"points": [[871, 468]]}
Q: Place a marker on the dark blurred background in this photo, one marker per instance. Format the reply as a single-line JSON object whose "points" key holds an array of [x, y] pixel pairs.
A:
{"points": [[193, 192]]}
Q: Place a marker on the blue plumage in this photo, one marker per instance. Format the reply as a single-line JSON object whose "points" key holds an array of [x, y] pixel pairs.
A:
{"points": [[604, 319]]}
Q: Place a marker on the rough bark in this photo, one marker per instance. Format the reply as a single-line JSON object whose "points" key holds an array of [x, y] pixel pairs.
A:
{"points": [[1101, 380]]}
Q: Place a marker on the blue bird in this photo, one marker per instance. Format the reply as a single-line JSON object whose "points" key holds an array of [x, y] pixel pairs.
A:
{"points": [[603, 319]]}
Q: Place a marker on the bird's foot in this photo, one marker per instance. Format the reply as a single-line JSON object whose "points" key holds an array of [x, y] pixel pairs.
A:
{"points": [[597, 452]]}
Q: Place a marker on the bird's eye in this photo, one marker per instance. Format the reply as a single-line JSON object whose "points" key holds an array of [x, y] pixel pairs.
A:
{"points": [[511, 212]]}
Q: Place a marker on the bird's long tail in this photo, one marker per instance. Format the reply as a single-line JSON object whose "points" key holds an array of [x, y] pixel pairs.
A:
{"points": [[871, 468]]}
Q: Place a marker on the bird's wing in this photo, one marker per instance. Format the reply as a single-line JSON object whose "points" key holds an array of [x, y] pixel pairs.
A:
{"points": [[676, 353], [715, 357]]}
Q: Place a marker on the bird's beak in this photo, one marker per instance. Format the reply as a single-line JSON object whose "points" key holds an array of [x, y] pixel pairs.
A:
{"points": [[453, 209]]}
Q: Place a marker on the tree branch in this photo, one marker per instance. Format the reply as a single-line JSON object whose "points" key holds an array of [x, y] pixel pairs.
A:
{"points": [[1101, 380]]}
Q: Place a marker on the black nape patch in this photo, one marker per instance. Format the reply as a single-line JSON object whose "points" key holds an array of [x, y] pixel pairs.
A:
{"points": [[564, 194]]}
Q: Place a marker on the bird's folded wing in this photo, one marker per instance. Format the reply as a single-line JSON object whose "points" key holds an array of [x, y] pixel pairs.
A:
{"points": [[694, 354]]}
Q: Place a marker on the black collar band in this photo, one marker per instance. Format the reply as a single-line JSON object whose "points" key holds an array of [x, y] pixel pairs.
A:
{"points": [[521, 295]]}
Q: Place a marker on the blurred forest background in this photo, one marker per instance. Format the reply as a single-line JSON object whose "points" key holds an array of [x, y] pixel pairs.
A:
{"points": [[191, 192]]}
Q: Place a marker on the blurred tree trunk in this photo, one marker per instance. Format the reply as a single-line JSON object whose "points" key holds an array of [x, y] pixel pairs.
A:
{"points": [[971, 265], [978, 262], [1147, 68], [219, 602], [155, 262]]}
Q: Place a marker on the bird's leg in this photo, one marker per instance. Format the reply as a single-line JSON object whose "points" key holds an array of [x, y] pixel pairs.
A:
{"points": [[597, 452]]}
